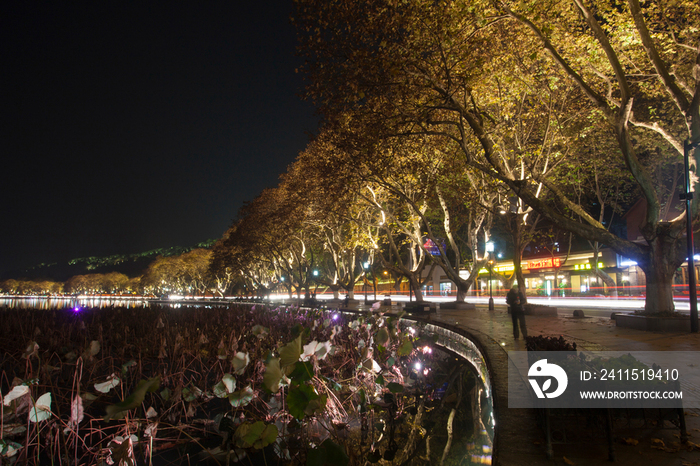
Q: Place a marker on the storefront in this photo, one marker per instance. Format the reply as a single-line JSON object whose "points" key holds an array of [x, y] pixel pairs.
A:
{"points": [[561, 275]]}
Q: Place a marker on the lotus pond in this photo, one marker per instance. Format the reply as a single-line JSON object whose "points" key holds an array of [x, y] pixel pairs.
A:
{"points": [[246, 384]]}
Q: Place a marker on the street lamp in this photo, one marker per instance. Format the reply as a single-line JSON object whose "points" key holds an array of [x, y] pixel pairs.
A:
{"points": [[489, 249], [688, 196], [315, 281]]}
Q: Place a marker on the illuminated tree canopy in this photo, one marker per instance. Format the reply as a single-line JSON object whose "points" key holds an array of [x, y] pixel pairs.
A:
{"points": [[526, 91]]}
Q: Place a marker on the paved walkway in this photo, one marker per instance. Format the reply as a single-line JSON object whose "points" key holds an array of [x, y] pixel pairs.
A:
{"points": [[520, 441]]}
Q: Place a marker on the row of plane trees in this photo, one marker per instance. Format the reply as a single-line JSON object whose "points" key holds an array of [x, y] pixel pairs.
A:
{"points": [[339, 220], [444, 120]]}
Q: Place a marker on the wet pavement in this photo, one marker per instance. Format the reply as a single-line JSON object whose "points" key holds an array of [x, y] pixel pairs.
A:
{"points": [[520, 441]]}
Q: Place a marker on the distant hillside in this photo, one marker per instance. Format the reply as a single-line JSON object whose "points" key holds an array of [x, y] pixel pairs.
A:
{"points": [[129, 264]]}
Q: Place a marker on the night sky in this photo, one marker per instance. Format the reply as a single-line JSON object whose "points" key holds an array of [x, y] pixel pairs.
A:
{"points": [[133, 126]]}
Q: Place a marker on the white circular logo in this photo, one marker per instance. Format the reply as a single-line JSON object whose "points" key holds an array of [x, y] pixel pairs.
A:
{"points": [[547, 371]]}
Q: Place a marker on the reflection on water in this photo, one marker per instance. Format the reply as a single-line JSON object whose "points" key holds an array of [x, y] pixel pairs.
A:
{"points": [[481, 447], [67, 302], [35, 302]]}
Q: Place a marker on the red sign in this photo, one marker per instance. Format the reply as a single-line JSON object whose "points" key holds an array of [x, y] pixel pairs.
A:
{"points": [[544, 263]]}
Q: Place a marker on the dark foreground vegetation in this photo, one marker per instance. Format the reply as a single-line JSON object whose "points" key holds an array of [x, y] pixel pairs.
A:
{"points": [[246, 384]]}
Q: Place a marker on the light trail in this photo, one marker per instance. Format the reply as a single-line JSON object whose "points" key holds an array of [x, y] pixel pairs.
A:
{"points": [[622, 303]]}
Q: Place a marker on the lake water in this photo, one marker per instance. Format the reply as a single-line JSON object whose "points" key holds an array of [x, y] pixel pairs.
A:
{"points": [[38, 302], [33, 302]]}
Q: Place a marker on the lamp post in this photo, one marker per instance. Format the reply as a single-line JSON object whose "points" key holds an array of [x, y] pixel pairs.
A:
{"points": [[489, 249], [491, 286], [365, 266], [688, 196], [315, 275]]}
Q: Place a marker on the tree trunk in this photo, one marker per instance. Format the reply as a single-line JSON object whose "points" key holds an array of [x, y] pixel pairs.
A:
{"points": [[659, 284], [665, 253], [415, 286], [463, 286], [349, 285], [521, 282], [517, 236], [462, 291], [659, 290]]}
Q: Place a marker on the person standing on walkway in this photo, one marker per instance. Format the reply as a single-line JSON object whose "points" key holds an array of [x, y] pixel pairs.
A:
{"points": [[515, 300]]}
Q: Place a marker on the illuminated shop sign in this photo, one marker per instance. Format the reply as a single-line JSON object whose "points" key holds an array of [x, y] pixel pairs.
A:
{"points": [[431, 247], [587, 266], [502, 268], [543, 263]]}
